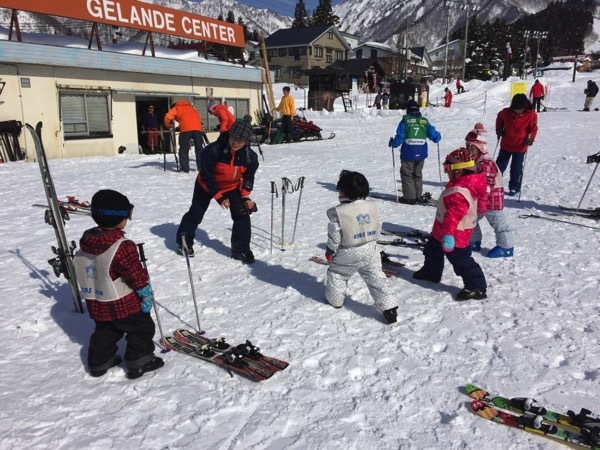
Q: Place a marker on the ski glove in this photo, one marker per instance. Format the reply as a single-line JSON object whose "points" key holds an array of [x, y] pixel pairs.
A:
{"points": [[448, 243], [529, 141], [329, 254], [391, 142], [593, 158], [499, 132], [250, 205], [146, 297]]}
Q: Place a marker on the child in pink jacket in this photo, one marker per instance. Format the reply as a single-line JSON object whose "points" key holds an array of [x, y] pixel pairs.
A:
{"points": [[455, 218]]}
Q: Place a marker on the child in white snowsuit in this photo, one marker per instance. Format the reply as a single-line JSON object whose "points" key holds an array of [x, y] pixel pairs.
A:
{"points": [[352, 235], [492, 205]]}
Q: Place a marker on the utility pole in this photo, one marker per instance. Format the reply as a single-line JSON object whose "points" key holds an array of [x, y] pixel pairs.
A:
{"points": [[468, 6], [539, 35], [446, 79], [526, 33]]}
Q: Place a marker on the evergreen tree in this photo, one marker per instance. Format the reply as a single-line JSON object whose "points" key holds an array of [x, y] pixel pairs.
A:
{"points": [[300, 16], [323, 15]]}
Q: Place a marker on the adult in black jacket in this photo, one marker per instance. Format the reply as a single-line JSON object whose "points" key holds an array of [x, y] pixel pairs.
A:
{"points": [[590, 92]]}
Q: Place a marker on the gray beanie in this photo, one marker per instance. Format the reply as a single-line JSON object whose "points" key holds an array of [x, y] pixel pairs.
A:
{"points": [[242, 130]]}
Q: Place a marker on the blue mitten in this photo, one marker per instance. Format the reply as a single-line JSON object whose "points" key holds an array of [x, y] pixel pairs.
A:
{"points": [[147, 297], [448, 243]]}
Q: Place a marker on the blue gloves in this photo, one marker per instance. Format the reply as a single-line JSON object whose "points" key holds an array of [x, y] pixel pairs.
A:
{"points": [[147, 297], [390, 143], [329, 254], [448, 243]]}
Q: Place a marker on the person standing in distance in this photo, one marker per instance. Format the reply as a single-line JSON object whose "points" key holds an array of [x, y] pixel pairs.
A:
{"points": [[190, 128], [287, 107], [537, 94], [590, 93]]}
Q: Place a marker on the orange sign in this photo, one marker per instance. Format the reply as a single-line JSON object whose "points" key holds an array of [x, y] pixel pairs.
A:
{"points": [[138, 15]]}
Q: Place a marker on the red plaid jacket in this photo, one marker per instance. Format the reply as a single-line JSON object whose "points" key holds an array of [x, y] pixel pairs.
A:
{"points": [[126, 265], [494, 200]]}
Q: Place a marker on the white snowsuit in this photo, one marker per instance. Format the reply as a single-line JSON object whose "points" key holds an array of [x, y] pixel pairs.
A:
{"points": [[352, 233]]}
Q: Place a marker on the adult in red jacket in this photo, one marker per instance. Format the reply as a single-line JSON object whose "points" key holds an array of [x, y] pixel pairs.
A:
{"points": [[190, 127], [536, 93], [227, 169], [516, 128], [447, 98], [223, 115]]}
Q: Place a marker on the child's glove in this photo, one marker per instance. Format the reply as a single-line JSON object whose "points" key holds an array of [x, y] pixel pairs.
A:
{"points": [[529, 141], [499, 133], [147, 297], [329, 254], [390, 143], [448, 243]]}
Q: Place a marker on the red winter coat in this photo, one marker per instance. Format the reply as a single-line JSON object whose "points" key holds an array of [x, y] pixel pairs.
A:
{"points": [[457, 208], [516, 128], [448, 99], [537, 90], [224, 116], [126, 265], [188, 117]]}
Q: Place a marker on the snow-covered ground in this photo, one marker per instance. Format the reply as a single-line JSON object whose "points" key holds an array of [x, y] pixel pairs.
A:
{"points": [[353, 382]]}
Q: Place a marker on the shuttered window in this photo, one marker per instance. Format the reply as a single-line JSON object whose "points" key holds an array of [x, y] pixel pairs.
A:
{"points": [[85, 114]]}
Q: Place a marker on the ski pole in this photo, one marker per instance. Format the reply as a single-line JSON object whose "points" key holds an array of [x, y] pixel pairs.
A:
{"points": [[187, 260], [301, 186], [521, 178], [285, 183], [440, 167], [273, 194], [143, 261], [496, 148], [586, 188], [394, 173]]}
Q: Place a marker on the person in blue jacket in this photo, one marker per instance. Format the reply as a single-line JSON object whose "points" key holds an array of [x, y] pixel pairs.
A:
{"points": [[411, 136]]}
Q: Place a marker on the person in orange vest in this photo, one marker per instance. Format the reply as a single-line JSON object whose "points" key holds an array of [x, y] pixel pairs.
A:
{"points": [[537, 94], [190, 127], [447, 98], [223, 115]]}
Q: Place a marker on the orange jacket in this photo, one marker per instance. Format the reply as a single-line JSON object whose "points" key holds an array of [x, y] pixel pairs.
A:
{"points": [[226, 119], [188, 117]]}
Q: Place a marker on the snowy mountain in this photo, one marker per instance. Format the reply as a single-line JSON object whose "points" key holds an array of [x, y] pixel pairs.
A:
{"points": [[426, 19], [366, 18]]}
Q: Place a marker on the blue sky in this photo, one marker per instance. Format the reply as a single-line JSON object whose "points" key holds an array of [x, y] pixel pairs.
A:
{"points": [[285, 7]]}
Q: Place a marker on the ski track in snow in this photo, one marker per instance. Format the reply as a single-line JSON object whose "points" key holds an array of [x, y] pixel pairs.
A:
{"points": [[353, 382]]}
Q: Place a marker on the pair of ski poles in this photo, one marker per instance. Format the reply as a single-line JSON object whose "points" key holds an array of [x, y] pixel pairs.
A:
{"points": [[394, 171], [287, 187]]}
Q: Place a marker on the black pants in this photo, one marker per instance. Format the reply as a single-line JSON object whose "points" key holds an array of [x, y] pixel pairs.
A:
{"points": [[241, 232], [139, 331], [463, 263], [537, 103], [286, 127]]}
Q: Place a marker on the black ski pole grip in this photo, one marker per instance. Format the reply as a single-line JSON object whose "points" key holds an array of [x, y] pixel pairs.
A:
{"points": [[141, 250]]}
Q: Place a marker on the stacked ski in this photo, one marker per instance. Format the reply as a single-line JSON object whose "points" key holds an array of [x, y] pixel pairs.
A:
{"points": [[244, 359], [589, 213], [56, 216], [576, 430], [71, 206]]}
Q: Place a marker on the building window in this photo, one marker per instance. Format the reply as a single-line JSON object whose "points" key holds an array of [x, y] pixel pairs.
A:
{"points": [[85, 115], [330, 34], [373, 53], [329, 59], [339, 55], [318, 52], [283, 52], [359, 54]]}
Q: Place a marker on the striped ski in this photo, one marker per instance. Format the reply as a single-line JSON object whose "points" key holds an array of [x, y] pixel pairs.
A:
{"points": [[227, 360], [247, 351], [531, 424]]}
